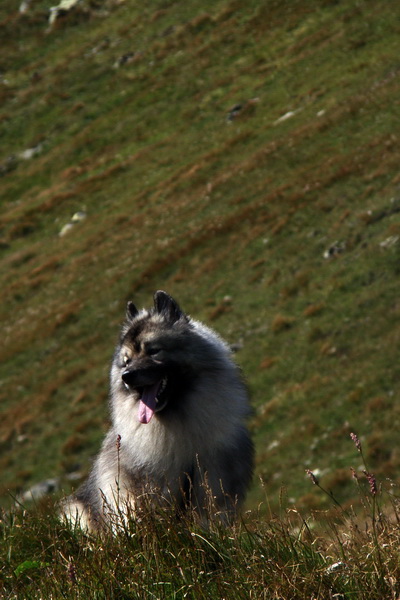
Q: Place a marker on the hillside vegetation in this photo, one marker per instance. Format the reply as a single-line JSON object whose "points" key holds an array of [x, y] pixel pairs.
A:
{"points": [[154, 557], [245, 158]]}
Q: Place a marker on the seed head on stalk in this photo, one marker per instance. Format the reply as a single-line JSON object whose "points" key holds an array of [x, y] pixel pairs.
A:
{"points": [[356, 441], [373, 487], [312, 477]]}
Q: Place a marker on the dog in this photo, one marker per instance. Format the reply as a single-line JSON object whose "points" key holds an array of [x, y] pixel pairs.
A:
{"points": [[178, 435]]}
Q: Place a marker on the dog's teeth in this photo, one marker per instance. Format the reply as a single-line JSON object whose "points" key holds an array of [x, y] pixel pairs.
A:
{"points": [[162, 387], [127, 386]]}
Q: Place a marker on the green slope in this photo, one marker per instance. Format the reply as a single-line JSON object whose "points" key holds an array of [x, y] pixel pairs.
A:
{"points": [[279, 227]]}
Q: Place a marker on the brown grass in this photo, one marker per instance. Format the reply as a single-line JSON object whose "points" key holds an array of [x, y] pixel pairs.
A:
{"points": [[314, 309], [281, 323], [268, 362]]}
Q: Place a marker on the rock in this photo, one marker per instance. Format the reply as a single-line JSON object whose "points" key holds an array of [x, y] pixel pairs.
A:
{"points": [[245, 109], [127, 58], [234, 111], [30, 152], [65, 229], [390, 241], [335, 249], [78, 217], [286, 116], [236, 346], [61, 9], [75, 476], [8, 165], [39, 490], [24, 6]]}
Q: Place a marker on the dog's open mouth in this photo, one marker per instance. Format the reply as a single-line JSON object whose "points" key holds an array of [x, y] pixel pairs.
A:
{"points": [[150, 388], [151, 400]]}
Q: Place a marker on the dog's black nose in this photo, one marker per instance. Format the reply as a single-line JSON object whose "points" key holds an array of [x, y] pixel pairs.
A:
{"points": [[127, 376], [138, 376]]}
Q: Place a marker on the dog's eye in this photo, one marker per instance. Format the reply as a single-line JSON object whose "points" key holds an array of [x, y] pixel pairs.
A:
{"points": [[126, 360], [153, 351]]}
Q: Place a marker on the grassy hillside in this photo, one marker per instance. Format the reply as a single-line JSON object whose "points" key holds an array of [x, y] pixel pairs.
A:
{"points": [[277, 223]]}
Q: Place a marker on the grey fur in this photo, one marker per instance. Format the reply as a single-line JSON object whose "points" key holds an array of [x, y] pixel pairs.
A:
{"points": [[178, 408]]}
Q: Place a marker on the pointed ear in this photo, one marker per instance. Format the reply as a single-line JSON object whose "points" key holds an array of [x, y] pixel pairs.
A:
{"points": [[131, 311], [165, 305]]}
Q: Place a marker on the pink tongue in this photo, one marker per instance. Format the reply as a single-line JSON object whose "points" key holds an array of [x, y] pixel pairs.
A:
{"points": [[148, 403]]}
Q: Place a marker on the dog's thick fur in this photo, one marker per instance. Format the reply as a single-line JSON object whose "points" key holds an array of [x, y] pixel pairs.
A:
{"points": [[178, 407]]}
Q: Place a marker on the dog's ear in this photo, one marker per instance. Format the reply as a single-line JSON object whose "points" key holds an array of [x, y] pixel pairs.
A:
{"points": [[165, 305], [131, 311]]}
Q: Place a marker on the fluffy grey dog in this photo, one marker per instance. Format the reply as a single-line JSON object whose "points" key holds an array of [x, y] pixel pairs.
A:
{"points": [[178, 434]]}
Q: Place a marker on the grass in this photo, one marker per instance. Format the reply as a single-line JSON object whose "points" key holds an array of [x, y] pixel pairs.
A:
{"points": [[330, 554], [282, 233]]}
